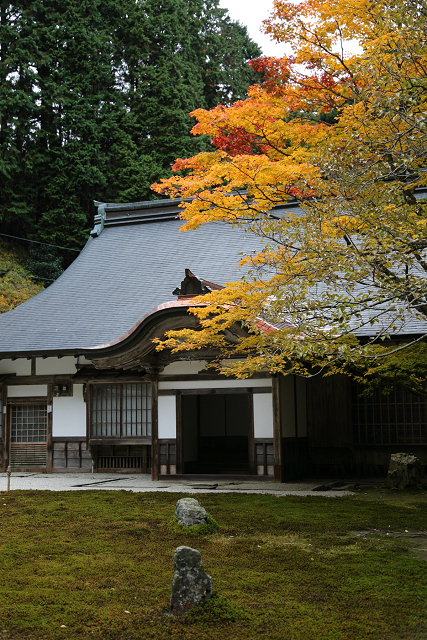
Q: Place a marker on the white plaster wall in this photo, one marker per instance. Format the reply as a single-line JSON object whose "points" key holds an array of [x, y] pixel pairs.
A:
{"points": [[52, 366], [183, 367], [69, 414], [263, 415], [26, 390], [167, 416], [214, 384], [21, 366]]}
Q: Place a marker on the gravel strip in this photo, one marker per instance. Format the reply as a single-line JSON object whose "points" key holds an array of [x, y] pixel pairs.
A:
{"points": [[142, 483]]}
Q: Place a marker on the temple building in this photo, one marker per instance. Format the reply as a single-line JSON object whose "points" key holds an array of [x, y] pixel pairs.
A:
{"points": [[82, 386]]}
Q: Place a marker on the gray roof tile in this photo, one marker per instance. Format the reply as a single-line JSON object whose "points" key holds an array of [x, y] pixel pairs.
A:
{"points": [[118, 278], [129, 269]]}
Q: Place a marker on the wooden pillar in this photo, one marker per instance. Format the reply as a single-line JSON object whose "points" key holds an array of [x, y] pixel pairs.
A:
{"points": [[5, 429], [49, 444], [8, 436], [154, 427], [277, 431], [251, 442], [88, 401], [178, 449]]}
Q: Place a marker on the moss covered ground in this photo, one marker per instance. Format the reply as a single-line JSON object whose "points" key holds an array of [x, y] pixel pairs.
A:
{"points": [[98, 565]]}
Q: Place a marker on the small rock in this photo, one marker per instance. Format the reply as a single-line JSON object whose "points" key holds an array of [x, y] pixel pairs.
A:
{"points": [[404, 470], [189, 512], [190, 584]]}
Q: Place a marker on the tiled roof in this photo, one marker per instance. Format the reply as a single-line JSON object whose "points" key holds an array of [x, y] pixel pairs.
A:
{"points": [[118, 278], [123, 274]]}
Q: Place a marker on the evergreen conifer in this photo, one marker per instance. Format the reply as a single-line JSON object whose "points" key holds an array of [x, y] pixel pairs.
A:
{"points": [[95, 102]]}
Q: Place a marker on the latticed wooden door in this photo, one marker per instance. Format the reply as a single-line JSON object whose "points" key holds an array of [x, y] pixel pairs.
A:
{"points": [[28, 436], [121, 410], [120, 417]]}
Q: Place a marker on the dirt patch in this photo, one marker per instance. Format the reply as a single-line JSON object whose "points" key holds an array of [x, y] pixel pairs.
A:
{"points": [[416, 540]]}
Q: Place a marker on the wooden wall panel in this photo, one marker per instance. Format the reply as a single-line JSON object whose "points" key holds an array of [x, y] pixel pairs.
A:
{"points": [[329, 412], [71, 455], [295, 461]]}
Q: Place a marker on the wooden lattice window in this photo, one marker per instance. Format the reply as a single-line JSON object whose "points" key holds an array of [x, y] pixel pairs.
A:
{"points": [[399, 417], [121, 410], [29, 423]]}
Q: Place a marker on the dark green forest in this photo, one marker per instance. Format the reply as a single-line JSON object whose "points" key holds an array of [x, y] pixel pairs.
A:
{"points": [[95, 101]]}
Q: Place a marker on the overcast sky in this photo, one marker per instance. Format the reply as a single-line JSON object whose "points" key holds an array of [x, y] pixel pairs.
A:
{"points": [[251, 13]]}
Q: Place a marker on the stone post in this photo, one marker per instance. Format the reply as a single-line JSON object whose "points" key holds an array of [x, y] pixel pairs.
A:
{"points": [[404, 470], [190, 584]]}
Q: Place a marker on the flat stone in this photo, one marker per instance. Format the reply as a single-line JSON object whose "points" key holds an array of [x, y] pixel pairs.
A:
{"points": [[404, 471], [203, 486], [191, 585], [346, 487], [329, 487], [190, 513]]}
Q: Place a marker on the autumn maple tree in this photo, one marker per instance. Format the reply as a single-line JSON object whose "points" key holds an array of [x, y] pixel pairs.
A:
{"points": [[340, 126]]}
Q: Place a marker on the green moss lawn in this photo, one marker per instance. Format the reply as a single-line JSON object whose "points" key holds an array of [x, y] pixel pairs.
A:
{"points": [[98, 565]]}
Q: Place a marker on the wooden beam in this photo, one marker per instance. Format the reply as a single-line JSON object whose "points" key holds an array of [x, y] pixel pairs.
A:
{"points": [[220, 391], [206, 376], [6, 379], [34, 379], [29, 400], [101, 377], [68, 439], [117, 441]]}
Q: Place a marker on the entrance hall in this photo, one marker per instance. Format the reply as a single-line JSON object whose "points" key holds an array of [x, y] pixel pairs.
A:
{"points": [[215, 434]]}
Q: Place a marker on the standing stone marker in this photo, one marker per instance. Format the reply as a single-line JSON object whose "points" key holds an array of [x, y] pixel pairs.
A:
{"points": [[404, 470], [190, 584], [189, 512]]}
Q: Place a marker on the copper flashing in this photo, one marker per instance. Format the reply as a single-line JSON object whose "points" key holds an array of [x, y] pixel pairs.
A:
{"points": [[166, 305]]}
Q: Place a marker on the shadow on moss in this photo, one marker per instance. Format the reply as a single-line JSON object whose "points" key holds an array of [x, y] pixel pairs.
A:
{"points": [[217, 609], [138, 532]]}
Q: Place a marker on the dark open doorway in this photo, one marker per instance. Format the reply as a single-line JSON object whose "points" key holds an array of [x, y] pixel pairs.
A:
{"points": [[215, 434]]}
